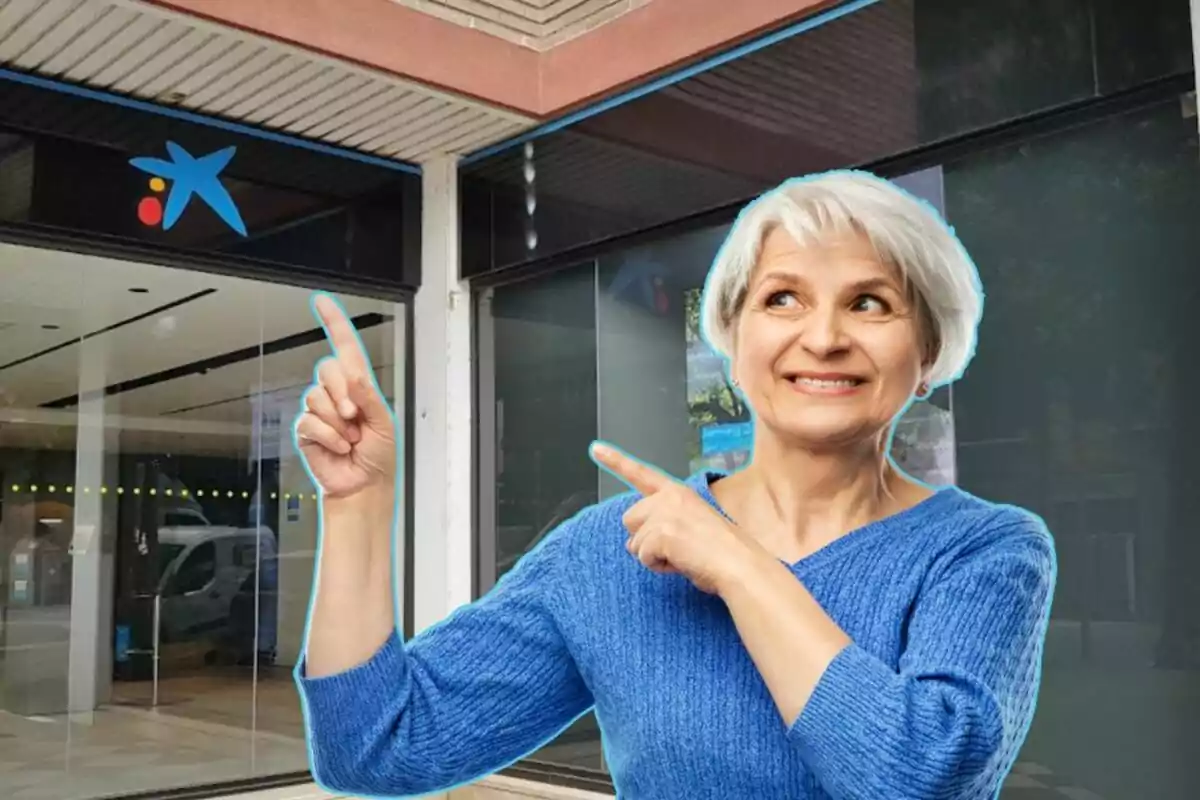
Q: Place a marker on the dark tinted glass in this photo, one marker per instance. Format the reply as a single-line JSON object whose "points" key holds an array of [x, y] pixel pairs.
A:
{"points": [[1136, 42], [873, 84], [538, 341], [544, 406], [1080, 406], [985, 62], [664, 395]]}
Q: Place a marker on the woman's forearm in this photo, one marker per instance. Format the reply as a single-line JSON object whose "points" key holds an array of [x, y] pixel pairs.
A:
{"points": [[788, 635], [353, 611]]}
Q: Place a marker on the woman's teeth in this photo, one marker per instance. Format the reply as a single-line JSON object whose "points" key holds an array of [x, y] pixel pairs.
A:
{"points": [[828, 384]]}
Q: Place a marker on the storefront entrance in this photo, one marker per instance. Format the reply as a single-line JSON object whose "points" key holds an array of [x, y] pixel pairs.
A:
{"points": [[157, 532]]}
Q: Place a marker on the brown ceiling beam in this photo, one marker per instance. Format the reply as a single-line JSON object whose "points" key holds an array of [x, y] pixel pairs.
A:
{"points": [[655, 38], [391, 38]]}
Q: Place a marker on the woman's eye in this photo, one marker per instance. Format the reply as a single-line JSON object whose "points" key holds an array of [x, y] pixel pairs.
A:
{"points": [[781, 300], [871, 304]]}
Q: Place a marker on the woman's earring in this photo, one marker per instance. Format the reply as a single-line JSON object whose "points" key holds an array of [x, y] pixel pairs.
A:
{"points": [[923, 391]]}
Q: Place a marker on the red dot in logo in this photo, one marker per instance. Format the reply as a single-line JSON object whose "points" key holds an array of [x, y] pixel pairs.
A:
{"points": [[150, 211]]}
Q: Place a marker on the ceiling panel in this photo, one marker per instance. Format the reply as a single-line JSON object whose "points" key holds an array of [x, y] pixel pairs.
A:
{"points": [[537, 24], [226, 394], [185, 410], [208, 326], [149, 52]]}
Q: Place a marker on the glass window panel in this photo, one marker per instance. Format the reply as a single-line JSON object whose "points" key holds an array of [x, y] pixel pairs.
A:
{"points": [[1136, 42], [545, 406], [982, 62], [1079, 406], [664, 395], [543, 363], [156, 531]]}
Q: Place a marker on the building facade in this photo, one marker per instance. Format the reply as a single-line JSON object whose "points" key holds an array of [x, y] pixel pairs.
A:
{"points": [[518, 202]]}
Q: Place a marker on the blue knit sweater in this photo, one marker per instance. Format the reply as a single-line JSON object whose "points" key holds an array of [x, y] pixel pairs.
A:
{"points": [[947, 605]]}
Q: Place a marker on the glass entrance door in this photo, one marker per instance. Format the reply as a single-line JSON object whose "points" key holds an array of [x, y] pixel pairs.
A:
{"points": [[157, 532]]}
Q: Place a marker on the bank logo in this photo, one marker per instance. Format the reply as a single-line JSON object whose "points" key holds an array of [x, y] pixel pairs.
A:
{"points": [[181, 178]]}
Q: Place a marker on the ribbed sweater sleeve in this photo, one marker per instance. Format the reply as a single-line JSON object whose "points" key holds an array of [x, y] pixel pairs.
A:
{"points": [[948, 723], [468, 696]]}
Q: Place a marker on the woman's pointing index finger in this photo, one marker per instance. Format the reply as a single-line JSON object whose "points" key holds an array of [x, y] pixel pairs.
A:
{"points": [[343, 338]]}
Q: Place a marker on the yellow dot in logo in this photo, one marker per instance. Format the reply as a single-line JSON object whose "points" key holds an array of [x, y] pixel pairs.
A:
{"points": [[157, 184]]}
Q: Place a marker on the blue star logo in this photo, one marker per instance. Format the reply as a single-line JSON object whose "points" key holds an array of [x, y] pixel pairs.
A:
{"points": [[194, 176]]}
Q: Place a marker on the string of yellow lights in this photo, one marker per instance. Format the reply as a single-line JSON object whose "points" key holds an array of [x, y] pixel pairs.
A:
{"points": [[212, 494]]}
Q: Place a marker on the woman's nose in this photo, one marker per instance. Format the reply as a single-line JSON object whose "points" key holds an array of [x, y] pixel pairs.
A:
{"points": [[824, 332]]}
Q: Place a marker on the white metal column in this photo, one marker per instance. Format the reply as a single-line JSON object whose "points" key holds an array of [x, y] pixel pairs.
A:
{"points": [[1195, 7], [442, 464], [92, 566]]}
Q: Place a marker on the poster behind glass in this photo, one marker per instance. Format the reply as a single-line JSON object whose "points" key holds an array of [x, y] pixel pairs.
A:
{"points": [[723, 432]]}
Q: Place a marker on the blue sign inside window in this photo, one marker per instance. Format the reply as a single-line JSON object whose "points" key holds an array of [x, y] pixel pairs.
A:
{"points": [[728, 437]]}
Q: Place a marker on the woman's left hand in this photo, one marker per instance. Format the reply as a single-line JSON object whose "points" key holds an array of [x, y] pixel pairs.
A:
{"points": [[672, 529]]}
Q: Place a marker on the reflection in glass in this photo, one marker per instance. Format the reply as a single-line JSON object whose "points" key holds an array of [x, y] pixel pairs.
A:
{"points": [[664, 394], [543, 335], [545, 399], [720, 419], [1080, 406], [157, 534]]}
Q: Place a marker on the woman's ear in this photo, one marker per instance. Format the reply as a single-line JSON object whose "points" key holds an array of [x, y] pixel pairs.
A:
{"points": [[929, 350]]}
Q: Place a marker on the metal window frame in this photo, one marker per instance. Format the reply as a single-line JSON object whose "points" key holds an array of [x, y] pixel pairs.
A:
{"points": [[486, 449]]}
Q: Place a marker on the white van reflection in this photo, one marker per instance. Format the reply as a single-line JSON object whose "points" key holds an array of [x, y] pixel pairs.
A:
{"points": [[210, 576]]}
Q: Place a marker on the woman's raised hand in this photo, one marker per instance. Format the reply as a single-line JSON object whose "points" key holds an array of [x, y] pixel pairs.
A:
{"points": [[345, 432]]}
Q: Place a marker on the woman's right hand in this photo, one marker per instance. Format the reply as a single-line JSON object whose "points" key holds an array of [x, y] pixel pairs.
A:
{"points": [[346, 433]]}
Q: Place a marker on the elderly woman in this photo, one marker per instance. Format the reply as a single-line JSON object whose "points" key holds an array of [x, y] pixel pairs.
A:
{"points": [[818, 624]]}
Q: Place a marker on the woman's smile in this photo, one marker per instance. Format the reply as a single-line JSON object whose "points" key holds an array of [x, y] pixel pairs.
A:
{"points": [[826, 384]]}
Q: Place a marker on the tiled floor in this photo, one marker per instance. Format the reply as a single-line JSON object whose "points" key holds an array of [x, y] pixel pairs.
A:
{"points": [[128, 749], [227, 697], [301, 792]]}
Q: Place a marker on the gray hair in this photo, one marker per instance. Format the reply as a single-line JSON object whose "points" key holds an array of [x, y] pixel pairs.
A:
{"points": [[905, 231]]}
